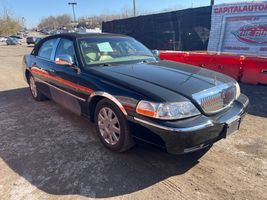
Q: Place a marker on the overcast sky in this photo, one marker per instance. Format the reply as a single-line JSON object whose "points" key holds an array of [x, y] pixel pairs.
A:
{"points": [[34, 10]]}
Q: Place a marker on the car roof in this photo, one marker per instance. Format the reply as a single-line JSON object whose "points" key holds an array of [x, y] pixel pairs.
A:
{"points": [[84, 35], [73, 36]]}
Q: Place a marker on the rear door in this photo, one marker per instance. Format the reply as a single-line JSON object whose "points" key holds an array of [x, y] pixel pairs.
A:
{"points": [[42, 68]]}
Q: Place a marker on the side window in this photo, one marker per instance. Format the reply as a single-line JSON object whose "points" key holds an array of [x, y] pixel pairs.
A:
{"points": [[47, 48], [66, 47]]}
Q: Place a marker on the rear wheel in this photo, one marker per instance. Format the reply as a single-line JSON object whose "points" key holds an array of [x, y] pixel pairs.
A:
{"points": [[112, 127], [36, 94]]}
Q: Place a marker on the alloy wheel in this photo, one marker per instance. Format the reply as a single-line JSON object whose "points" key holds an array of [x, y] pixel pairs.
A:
{"points": [[109, 126], [33, 87]]}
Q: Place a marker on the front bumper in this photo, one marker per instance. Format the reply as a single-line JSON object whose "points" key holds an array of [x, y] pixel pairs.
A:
{"points": [[192, 134]]}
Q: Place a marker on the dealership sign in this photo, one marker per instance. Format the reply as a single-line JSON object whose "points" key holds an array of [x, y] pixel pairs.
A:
{"points": [[239, 28], [252, 34]]}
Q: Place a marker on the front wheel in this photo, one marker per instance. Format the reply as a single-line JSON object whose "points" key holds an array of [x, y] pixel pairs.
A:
{"points": [[112, 127], [37, 95]]}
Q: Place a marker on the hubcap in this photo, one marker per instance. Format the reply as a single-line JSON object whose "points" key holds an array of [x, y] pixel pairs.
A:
{"points": [[33, 87], [109, 126]]}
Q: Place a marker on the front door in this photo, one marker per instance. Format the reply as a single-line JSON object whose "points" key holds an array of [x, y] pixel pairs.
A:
{"points": [[65, 88]]}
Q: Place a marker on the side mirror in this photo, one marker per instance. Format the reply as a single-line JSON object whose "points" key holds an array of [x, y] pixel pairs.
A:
{"points": [[64, 60], [156, 53]]}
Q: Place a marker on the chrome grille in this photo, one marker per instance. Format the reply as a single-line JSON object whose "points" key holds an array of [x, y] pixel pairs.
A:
{"points": [[216, 99]]}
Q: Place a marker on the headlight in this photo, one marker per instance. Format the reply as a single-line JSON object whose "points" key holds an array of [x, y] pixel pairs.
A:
{"points": [[167, 111], [238, 92]]}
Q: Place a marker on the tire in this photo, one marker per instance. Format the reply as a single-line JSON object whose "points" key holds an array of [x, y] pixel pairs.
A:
{"points": [[118, 139], [36, 94]]}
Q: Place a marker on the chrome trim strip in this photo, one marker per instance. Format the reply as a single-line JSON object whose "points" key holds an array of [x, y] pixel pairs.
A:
{"points": [[79, 98], [110, 97], [192, 149], [243, 99], [247, 102], [212, 90], [190, 129], [229, 121]]}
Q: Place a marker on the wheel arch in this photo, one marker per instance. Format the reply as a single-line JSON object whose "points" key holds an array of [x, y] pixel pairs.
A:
{"points": [[95, 97], [27, 75]]}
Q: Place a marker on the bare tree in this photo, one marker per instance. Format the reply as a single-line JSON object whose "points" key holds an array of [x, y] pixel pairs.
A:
{"points": [[126, 12], [9, 24], [55, 22], [48, 22], [94, 21], [63, 20]]}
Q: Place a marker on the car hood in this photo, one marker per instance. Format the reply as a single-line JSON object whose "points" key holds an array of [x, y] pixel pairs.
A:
{"points": [[164, 75]]}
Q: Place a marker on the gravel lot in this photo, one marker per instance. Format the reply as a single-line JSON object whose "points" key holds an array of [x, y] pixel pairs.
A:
{"points": [[46, 152]]}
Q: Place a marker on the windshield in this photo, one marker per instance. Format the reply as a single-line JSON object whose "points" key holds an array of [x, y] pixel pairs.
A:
{"points": [[108, 50]]}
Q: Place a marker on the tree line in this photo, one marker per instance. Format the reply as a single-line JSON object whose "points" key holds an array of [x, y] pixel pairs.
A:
{"points": [[9, 24], [90, 22], [55, 22]]}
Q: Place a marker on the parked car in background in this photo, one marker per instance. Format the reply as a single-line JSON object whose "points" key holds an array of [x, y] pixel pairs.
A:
{"points": [[3, 39], [25, 34], [30, 40], [117, 83], [16, 36], [55, 32], [13, 41], [46, 31]]}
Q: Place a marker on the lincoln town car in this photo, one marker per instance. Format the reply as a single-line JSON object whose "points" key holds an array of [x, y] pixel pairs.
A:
{"points": [[119, 85]]}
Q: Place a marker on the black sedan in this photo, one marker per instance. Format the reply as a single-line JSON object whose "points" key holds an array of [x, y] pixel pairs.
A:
{"points": [[32, 40], [117, 83]]}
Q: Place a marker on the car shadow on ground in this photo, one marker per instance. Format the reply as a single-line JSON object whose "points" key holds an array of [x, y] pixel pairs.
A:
{"points": [[59, 152]]}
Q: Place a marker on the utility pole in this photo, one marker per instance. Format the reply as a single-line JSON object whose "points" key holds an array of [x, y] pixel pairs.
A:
{"points": [[73, 4], [134, 8], [211, 2], [23, 22]]}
